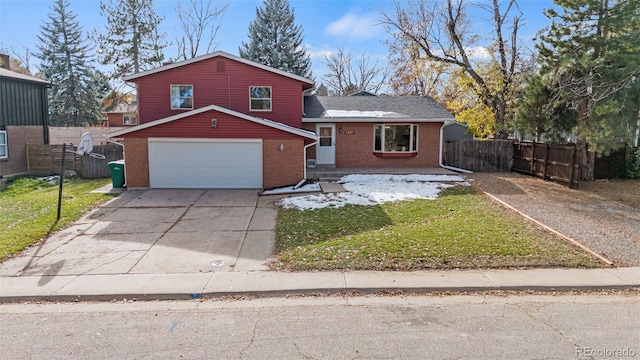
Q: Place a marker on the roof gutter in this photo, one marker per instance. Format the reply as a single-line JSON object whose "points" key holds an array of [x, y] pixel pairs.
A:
{"points": [[440, 155]]}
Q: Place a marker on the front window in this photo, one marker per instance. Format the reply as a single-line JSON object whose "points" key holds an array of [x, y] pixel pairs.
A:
{"points": [[181, 97], [129, 119], [4, 151], [260, 98], [395, 138]]}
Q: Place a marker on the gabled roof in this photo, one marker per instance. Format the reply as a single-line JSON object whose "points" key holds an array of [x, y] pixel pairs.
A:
{"points": [[14, 75], [374, 108], [265, 122], [217, 54]]}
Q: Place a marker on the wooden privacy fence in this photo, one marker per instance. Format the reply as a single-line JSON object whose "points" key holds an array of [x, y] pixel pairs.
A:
{"points": [[559, 163], [46, 160], [479, 155]]}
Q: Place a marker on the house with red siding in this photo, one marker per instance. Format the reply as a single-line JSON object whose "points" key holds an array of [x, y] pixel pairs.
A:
{"points": [[122, 115], [221, 121]]}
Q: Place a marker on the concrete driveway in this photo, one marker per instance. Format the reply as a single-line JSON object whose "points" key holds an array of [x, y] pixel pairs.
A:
{"points": [[159, 232]]}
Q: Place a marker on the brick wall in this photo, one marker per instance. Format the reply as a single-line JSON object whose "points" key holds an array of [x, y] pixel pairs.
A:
{"points": [[136, 160], [281, 168], [356, 149], [311, 151], [17, 138]]}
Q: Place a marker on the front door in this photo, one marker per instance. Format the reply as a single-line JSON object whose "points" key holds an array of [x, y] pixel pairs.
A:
{"points": [[326, 147]]}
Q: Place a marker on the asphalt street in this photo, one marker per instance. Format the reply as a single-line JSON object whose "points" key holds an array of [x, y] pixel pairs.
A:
{"points": [[383, 327]]}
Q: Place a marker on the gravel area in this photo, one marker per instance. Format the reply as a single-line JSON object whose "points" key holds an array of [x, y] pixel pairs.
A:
{"points": [[603, 218]]}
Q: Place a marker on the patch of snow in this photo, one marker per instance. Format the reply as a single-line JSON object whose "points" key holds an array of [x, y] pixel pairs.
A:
{"points": [[359, 114], [290, 189], [376, 189]]}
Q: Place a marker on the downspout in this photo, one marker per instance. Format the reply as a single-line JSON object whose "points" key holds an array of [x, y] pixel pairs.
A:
{"points": [[125, 165], [440, 155], [304, 151]]}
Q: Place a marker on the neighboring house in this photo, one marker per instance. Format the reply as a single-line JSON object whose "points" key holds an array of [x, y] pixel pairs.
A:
{"points": [[220, 121], [123, 114], [24, 118], [457, 131]]}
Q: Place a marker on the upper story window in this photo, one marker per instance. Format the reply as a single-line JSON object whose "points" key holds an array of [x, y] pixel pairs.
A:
{"points": [[129, 119], [260, 98], [4, 150], [181, 97], [401, 138]]}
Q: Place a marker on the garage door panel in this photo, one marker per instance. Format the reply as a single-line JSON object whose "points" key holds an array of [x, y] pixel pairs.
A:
{"points": [[205, 164]]}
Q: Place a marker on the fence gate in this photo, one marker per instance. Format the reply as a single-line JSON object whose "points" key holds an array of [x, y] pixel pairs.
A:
{"points": [[560, 163]]}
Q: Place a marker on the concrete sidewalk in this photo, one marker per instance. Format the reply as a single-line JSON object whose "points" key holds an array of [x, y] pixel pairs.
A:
{"points": [[267, 283]]}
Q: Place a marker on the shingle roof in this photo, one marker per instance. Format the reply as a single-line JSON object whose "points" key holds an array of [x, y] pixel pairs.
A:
{"points": [[375, 107], [18, 76]]}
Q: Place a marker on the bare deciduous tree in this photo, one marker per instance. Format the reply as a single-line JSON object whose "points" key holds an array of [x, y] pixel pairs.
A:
{"points": [[442, 32], [346, 77], [22, 61], [200, 23]]}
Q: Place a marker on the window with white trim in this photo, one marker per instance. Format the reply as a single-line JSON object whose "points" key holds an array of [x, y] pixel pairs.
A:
{"points": [[4, 149], [181, 97], [397, 138], [129, 119], [260, 98]]}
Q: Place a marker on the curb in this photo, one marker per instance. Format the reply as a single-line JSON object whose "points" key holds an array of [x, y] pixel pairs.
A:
{"points": [[277, 284], [305, 292]]}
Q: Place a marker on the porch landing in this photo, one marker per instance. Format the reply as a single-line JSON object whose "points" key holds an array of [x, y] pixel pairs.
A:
{"points": [[321, 173]]}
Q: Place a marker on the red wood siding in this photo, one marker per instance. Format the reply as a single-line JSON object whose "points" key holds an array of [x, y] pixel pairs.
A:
{"points": [[199, 126], [229, 90]]}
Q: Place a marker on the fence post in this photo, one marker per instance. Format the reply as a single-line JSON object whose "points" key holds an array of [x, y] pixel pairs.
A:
{"points": [[546, 160], [572, 167], [533, 158]]}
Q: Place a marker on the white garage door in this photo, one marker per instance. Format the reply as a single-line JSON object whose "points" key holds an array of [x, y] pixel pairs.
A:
{"points": [[205, 163]]}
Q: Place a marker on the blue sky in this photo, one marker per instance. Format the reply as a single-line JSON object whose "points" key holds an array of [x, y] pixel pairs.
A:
{"points": [[327, 24]]}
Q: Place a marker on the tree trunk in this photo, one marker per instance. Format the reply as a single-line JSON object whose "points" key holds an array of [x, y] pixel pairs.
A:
{"points": [[587, 161]]}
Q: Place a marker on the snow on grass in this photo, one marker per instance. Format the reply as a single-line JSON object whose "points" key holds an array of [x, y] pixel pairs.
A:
{"points": [[376, 189], [291, 189]]}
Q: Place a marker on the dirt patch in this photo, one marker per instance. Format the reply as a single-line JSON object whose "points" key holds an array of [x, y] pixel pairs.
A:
{"points": [[601, 215], [624, 191]]}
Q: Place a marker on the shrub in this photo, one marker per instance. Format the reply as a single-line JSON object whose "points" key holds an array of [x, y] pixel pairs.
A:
{"points": [[633, 164]]}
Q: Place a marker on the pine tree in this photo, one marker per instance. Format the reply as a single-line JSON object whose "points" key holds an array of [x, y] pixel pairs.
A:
{"points": [[276, 41], [63, 52], [590, 56], [132, 42]]}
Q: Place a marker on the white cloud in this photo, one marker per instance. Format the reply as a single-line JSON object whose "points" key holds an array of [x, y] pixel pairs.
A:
{"points": [[355, 27], [478, 52], [318, 53]]}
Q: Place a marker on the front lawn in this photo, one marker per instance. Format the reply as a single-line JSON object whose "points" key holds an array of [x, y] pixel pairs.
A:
{"points": [[460, 229], [29, 206]]}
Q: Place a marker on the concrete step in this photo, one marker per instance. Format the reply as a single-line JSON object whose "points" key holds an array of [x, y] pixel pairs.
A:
{"points": [[328, 179]]}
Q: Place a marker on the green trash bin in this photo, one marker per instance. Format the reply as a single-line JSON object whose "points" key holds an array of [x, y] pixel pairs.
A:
{"points": [[117, 173]]}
